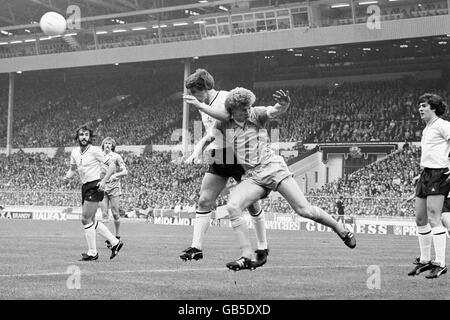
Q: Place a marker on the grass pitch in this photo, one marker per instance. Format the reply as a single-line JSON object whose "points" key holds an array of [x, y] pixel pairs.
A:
{"points": [[36, 255]]}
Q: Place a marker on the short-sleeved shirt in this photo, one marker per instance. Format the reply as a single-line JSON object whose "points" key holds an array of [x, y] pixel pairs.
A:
{"points": [[119, 165], [435, 145], [216, 103], [250, 141], [89, 162]]}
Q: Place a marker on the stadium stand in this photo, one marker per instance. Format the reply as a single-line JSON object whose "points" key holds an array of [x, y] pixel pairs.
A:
{"points": [[376, 111], [155, 181]]}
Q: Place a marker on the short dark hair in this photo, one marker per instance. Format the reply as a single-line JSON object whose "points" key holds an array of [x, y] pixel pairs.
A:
{"points": [[435, 102], [85, 128], [200, 80]]}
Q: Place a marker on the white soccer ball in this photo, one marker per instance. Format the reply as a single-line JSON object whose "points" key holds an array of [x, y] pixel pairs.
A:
{"points": [[53, 24]]}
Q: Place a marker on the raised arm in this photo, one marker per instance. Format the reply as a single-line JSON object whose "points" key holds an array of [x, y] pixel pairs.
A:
{"points": [[283, 102]]}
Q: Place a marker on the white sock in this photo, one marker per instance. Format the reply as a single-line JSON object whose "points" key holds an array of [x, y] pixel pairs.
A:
{"points": [[105, 233], [201, 225], [259, 223], [239, 226], [439, 241], [425, 238], [89, 232]]}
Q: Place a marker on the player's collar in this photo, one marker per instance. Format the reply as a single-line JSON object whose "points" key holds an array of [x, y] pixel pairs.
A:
{"points": [[83, 152], [215, 97], [431, 123]]}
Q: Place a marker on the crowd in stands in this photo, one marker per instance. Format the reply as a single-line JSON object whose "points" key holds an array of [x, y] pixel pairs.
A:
{"points": [[380, 188], [46, 114], [154, 180], [355, 112], [160, 180], [135, 114], [378, 111]]}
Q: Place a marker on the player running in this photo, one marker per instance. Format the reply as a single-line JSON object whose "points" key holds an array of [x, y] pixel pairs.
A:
{"points": [[113, 190], [210, 103], [265, 171], [89, 161]]}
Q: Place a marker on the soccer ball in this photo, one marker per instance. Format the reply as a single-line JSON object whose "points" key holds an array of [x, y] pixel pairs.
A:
{"points": [[53, 24]]}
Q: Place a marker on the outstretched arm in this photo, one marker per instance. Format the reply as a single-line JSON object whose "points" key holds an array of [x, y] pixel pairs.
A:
{"points": [[283, 102], [217, 113]]}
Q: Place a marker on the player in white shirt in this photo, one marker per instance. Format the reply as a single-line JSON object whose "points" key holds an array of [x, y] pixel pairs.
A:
{"points": [[210, 103], [88, 160], [432, 187], [113, 190]]}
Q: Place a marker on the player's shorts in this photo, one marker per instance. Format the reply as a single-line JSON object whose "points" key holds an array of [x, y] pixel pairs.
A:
{"points": [[111, 193], [90, 192], [432, 182], [269, 175], [224, 168]]}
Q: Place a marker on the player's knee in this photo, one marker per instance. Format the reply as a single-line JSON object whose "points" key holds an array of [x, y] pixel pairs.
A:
{"points": [[421, 221], [304, 211], [434, 221], [254, 209], [234, 211], [115, 213], [205, 203], [432, 212], [85, 220]]}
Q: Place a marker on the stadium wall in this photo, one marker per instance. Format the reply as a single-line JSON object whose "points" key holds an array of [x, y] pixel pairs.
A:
{"points": [[259, 42], [289, 222]]}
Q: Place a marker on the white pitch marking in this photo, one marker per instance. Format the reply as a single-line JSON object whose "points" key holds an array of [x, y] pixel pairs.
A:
{"points": [[20, 275]]}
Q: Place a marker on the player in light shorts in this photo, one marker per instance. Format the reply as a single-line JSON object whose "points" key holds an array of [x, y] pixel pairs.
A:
{"points": [[111, 199], [265, 171]]}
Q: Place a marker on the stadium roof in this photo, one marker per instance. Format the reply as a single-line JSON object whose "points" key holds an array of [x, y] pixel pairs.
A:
{"points": [[24, 12], [19, 12]]}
